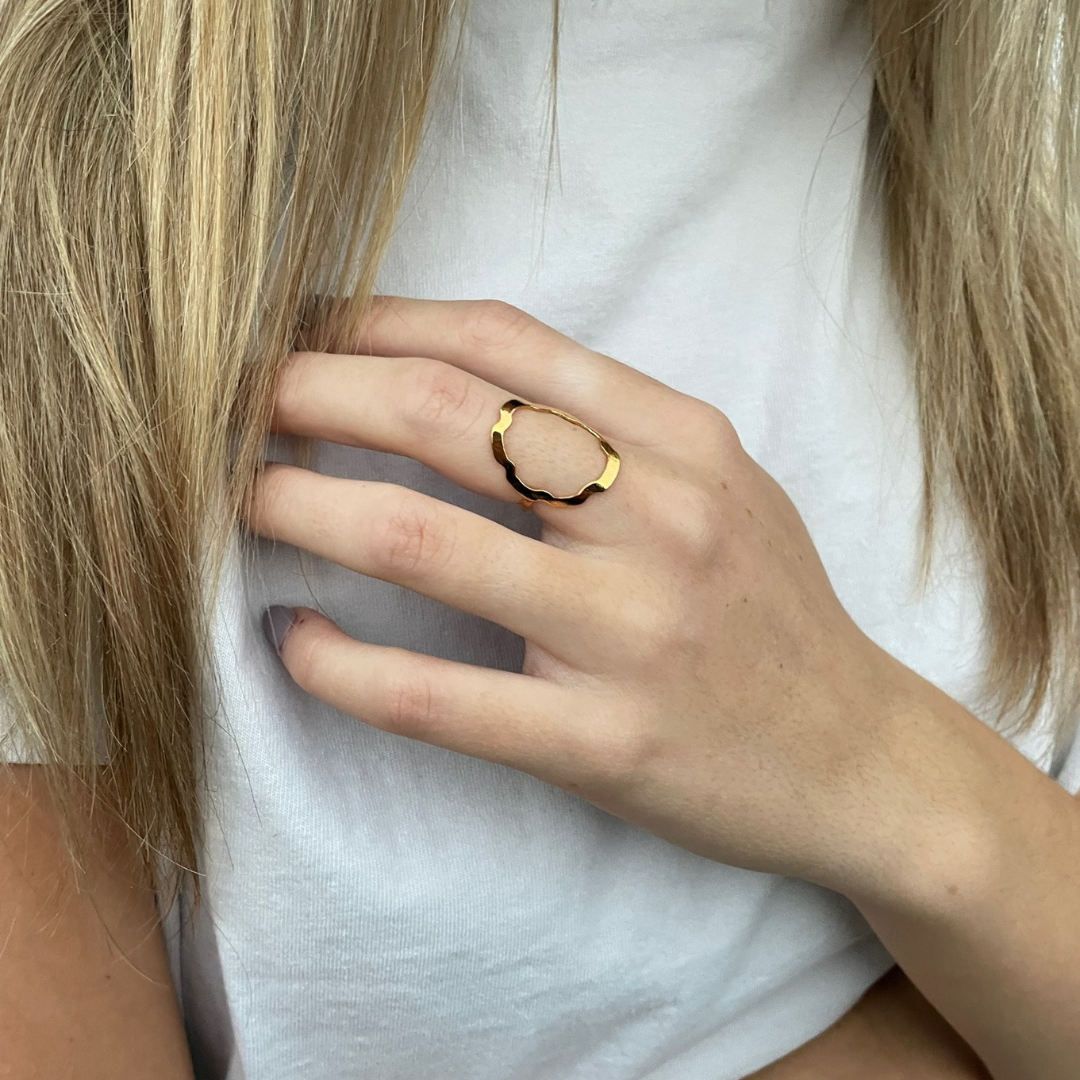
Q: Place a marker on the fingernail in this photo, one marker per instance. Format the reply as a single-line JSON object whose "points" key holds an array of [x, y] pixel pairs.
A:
{"points": [[277, 621]]}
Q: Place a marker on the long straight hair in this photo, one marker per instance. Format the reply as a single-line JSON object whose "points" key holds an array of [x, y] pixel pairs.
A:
{"points": [[180, 178]]}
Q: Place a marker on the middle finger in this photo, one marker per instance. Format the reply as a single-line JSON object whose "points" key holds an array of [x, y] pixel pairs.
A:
{"points": [[442, 416]]}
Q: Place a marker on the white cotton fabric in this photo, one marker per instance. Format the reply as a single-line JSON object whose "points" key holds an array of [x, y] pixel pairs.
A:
{"points": [[382, 908]]}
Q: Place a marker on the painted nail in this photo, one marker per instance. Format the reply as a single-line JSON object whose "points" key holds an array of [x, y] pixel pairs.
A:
{"points": [[277, 621]]}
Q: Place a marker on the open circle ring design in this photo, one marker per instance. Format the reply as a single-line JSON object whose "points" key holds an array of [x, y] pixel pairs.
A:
{"points": [[530, 495]]}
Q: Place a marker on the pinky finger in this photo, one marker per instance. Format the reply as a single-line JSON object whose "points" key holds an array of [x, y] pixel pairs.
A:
{"points": [[522, 721]]}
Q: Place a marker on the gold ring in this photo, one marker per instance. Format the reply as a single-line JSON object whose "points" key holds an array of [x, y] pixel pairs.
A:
{"points": [[529, 495]]}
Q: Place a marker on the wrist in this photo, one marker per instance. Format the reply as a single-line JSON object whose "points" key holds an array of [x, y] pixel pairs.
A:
{"points": [[959, 814], [975, 889], [935, 828]]}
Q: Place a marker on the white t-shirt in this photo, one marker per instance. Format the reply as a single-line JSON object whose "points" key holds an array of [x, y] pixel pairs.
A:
{"points": [[381, 908]]}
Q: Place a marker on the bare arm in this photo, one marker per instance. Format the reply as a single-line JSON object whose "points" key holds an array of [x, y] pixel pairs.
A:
{"points": [[893, 1033], [712, 689], [85, 989], [990, 950], [980, 905]]}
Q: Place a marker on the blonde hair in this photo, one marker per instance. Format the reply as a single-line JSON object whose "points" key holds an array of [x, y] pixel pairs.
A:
{"points": [[178, 178], [978, 106]]}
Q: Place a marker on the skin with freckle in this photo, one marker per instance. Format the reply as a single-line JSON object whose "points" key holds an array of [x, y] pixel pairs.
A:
{"points": [[688, 666]]}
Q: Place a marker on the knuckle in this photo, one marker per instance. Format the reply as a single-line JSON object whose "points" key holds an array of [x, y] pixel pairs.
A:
{"points": [[293, 384], [269, 497], [409, 540], [649, 627], [409, 701], [692, 522], [698, 519], [440, 398], [306, 658], [490, 325], [622, 752], [710, 430]]}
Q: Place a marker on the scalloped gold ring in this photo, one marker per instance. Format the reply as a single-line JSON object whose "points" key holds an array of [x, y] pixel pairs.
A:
{"points": [[530, 495]]}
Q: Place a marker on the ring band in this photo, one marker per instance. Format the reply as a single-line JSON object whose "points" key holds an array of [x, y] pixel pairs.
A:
{"points": [[530, 494]]}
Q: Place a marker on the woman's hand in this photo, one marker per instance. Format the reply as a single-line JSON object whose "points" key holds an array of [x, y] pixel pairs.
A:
{"points": [[688, 665], [688, 668]]}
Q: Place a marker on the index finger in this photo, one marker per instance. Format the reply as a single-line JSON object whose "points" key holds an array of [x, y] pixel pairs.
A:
{"points": [[506, 346]]}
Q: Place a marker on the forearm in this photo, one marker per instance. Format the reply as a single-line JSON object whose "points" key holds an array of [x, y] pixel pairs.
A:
{"points": [[981, 907], [892, 1033]]}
